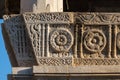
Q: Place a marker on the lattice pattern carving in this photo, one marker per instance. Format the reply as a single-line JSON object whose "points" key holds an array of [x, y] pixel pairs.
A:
{"points": [[19, 40]]}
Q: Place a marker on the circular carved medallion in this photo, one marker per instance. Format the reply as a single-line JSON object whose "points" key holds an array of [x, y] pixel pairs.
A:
{"points": [[118, 40], [61, 40], [95, 40]]}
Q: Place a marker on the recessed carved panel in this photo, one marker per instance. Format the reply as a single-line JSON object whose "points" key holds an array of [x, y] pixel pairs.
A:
{"points": [[61, 40], [95, 40]]}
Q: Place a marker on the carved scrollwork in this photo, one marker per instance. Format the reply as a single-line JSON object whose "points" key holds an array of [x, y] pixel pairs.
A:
{"points": [[49, 18], [118, 40], [95, 40], [61, 39], [98, 18]]}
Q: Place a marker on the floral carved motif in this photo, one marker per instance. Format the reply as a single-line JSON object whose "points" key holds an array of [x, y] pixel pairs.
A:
{"points": [[95, 40], [61, 40]]}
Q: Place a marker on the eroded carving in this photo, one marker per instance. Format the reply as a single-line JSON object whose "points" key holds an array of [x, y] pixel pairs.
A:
{"points": [[54, 38], [95, 40], [118, 40], [49, 18], [20, 43], [98, 18], [61, 40], [55, 61], [96, 62]]}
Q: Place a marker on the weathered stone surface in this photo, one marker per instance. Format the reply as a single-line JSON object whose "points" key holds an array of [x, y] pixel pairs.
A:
{"points": [[64, 44], [19, 42], [49, 18], [22, 70], [83, 69]]}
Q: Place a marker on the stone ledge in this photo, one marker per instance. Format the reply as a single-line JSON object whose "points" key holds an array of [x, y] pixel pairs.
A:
{"points": [[97, 70], [22, 70]]}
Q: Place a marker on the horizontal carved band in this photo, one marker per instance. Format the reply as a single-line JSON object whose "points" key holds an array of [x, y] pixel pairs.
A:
{"points": [[55, 61], [77, 61], [96, 61], [49, 18], [83, 18], [98, 18]]}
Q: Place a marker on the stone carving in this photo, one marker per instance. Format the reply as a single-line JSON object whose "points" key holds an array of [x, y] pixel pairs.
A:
{"points": [[49, 18], [61, 40], [68, 42], [36, 33], [19, 40], [55, 38], [106, 61], [95, 40], [55, 61], [98, 18], [18, 19], [118, 40]]}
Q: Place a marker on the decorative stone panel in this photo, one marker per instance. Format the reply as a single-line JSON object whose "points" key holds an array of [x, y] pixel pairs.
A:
{"points": [[70, 45], [52, 37], [89, 38], [19, 41]]}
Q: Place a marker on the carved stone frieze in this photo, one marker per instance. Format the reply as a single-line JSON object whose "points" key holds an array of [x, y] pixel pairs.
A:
{"points": [[50, 40], [106, 61], [49, 18], [98, 18], [65, 38]]}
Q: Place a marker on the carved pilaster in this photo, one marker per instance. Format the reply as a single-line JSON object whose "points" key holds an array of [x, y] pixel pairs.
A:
{"points": [[47, 40], [110, 40], [76, 41], [115, 35], [81, 41]]}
